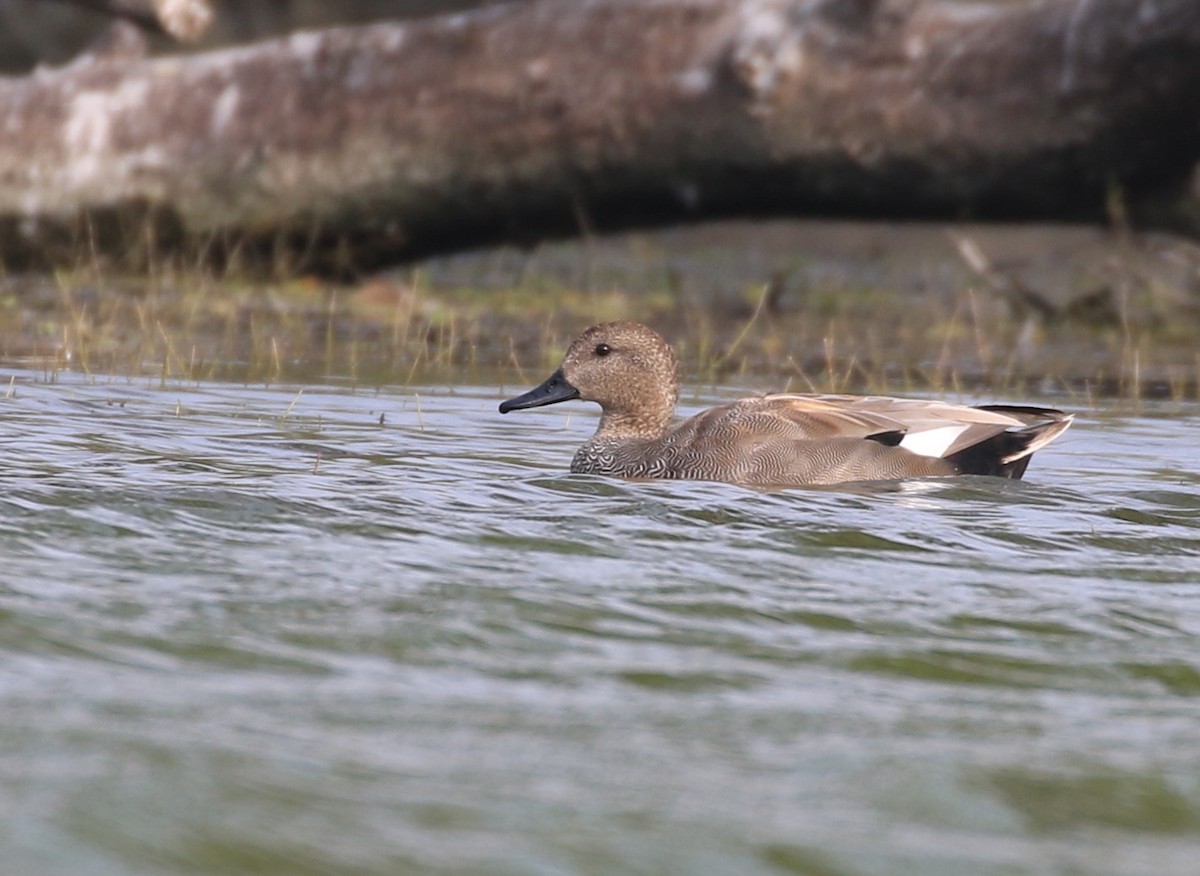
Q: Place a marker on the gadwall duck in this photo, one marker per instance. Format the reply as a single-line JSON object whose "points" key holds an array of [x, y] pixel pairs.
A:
{"points": [[774, 440]]}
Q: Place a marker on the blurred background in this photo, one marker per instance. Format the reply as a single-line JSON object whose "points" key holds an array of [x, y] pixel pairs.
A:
{"points": [[833, 305]]}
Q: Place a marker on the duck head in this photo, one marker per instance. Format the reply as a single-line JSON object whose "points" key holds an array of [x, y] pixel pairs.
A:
{"points": [[627, 368]]}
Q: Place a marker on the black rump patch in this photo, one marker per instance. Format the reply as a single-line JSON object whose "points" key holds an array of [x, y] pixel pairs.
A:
{"points": [[891, 438]]}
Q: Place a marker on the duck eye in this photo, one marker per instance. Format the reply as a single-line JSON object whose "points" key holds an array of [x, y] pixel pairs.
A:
{"points": [[603, 349]]}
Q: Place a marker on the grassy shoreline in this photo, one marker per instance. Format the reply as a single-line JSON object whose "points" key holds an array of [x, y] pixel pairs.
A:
{"points": [[801, 306]]}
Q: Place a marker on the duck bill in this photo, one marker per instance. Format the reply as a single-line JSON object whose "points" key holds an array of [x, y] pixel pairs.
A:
{"points": [[554, 390]]}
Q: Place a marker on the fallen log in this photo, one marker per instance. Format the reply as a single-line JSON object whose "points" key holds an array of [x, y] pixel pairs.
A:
{"points": [[351, 148]]}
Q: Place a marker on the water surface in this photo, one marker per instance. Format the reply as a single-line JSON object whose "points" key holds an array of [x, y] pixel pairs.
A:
{"points": [[274, 631]]}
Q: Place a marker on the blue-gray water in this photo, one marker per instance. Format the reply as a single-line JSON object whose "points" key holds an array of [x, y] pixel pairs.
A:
{"points": [[254, 631]]}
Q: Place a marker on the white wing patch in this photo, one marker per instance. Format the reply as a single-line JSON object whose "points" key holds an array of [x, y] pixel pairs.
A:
{"points": [[932, 442]]}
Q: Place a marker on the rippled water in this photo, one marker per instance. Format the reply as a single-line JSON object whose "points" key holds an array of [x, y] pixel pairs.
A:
{"points": [[262, 631]]}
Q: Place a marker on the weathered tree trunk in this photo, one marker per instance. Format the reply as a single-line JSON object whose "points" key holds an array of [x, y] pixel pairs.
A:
{"points": [[354, 147]]}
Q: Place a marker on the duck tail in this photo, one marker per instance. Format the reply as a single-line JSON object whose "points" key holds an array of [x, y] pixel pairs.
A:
{"points": [[1007, 454]]}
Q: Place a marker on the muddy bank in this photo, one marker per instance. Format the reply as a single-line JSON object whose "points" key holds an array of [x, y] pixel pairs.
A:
{"points": [[829, 306]]}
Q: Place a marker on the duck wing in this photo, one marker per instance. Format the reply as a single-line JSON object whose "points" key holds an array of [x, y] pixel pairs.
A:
{"points": [[792, 417], [931, 428], [987, 439]]}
